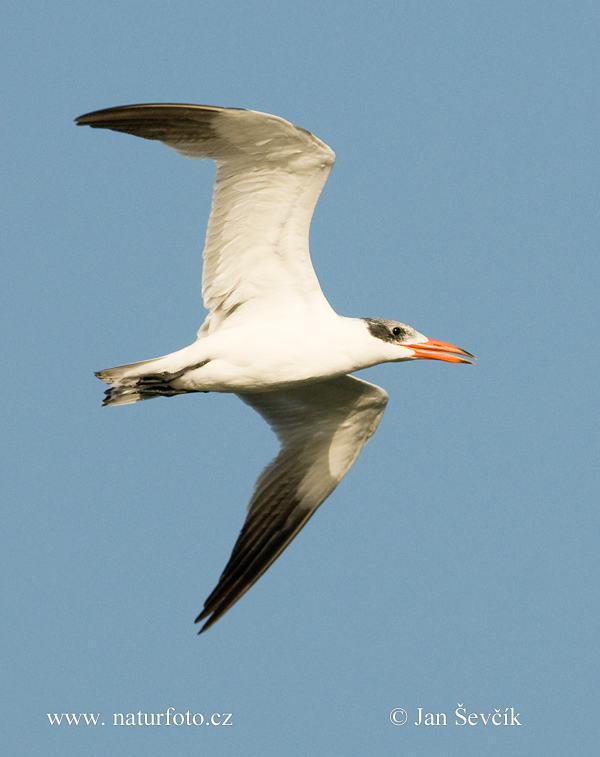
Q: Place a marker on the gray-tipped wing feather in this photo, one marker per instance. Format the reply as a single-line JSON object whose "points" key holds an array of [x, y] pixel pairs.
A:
{"points": [[322, 429], [270, 174]]}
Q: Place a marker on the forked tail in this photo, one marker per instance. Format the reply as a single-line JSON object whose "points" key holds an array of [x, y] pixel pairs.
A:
{"points": [[136, 382]]}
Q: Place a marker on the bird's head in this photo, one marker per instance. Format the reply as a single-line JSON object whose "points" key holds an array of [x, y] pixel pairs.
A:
{"points": [[404, 343]]}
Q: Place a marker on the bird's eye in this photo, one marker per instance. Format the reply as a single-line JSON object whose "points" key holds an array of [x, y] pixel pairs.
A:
{"points": [[396, 331]]}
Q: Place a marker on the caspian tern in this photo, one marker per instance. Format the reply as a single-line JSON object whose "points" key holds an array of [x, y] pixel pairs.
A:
{"points": [[270, 336]]}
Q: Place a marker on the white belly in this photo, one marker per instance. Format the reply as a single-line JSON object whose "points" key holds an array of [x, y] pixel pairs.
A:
{"points": [[267, 355]]}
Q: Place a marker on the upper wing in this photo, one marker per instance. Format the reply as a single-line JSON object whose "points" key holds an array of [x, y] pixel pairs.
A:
{"points": [[322, 428], [270, 174]]}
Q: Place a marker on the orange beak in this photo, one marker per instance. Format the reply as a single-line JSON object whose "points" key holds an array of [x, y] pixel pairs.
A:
{"points": [[434, 350]]}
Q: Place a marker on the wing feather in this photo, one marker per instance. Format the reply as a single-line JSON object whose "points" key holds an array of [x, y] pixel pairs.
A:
{"points": [[322, 429], [270, 174]]}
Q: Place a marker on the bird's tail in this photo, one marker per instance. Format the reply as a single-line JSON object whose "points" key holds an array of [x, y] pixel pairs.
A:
{"points": [[136, 382]]}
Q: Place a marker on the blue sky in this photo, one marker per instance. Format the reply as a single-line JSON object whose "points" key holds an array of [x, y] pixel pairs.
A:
{"points": [[457, 562]]}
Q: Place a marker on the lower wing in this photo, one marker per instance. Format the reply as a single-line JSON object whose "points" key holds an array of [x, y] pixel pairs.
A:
{"points": [[322, 428]]}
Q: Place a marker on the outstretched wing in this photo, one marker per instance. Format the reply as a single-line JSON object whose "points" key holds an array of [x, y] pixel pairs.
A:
{"points": [[322, 428], [270, 174]]}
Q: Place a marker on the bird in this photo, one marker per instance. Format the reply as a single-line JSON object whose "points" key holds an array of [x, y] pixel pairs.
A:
{"points": [[270, 336]]}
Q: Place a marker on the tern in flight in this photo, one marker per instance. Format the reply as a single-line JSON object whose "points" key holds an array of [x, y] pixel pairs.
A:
{"points": [[270, 336]]}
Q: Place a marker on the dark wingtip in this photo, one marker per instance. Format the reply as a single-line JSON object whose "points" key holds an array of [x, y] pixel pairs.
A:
{"points": [[208, 623], [98, 118]]}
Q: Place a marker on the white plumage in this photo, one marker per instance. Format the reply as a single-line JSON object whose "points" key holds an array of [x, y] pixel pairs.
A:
{"points": [[270, 336]]}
